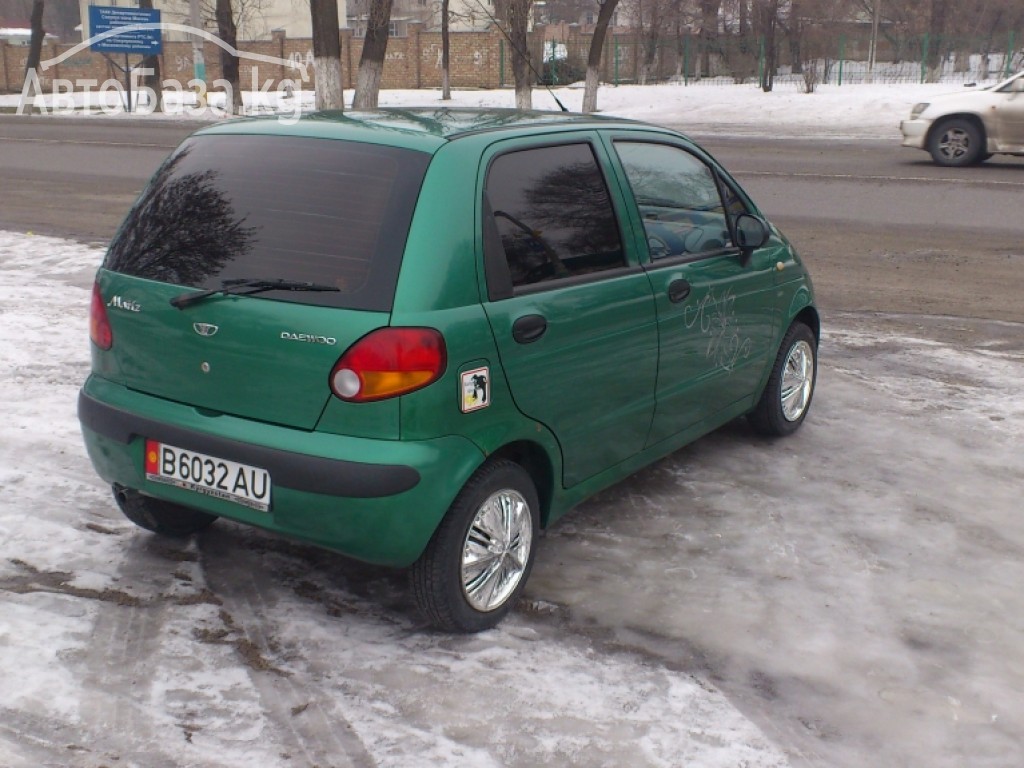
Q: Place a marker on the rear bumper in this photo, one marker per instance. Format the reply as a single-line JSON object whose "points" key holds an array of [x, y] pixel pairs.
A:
{"points": [[299, 471], [375, 500]]}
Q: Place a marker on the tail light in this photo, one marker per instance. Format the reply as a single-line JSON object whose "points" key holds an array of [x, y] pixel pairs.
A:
{"points": [[99, 324], [389, 362]]}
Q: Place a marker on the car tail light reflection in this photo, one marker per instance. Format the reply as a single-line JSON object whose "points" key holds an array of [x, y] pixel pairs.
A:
{"points": [[99, 324], [389, 362]]}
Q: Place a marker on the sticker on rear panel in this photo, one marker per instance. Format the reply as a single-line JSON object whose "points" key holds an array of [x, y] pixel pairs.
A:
{"points": [[476, 389]]}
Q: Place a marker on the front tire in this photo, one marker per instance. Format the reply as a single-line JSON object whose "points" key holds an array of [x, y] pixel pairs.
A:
{"points": [[787, 396], [158, 516], [478, 561], [956, 142]]}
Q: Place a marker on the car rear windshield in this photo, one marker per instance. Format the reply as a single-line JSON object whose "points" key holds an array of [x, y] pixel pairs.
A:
{"points": [[276, 207]]}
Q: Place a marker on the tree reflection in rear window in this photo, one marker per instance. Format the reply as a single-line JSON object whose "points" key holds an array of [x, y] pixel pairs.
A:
{"points": [[269, 207]]}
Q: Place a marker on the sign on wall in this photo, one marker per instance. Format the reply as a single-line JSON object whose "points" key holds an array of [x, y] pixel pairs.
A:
{"points": [[146, 42]]}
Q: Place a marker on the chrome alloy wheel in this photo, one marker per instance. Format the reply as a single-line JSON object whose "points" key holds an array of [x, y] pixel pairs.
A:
{"points": [[954, 143], [797, 380], [496, 551]]}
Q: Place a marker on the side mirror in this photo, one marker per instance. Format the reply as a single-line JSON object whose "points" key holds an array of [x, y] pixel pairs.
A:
{"points": [[751, 233]]}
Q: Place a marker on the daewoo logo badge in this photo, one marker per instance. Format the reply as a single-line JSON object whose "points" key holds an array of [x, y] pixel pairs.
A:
{"points": [[205, 329]]}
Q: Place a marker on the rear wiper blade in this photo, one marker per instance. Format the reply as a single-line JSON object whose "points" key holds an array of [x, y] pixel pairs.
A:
{"points": [[245, 287]]}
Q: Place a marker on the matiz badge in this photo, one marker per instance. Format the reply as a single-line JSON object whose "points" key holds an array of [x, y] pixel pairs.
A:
{"points": [[476, 389]]}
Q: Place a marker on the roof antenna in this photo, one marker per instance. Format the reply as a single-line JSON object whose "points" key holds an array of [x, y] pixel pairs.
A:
{"points": [[524, 56]]}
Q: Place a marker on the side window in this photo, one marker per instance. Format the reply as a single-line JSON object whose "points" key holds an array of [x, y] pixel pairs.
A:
{"points": [[678, 197], [734, 204], [553, 214]]}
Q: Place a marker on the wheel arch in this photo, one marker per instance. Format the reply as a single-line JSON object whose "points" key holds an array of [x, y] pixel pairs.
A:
{"points": [[971, 117], [535, 460], [809, 317]]}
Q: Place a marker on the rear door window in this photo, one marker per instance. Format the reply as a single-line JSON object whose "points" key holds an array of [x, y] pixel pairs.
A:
{"points": [[553, 214], [276, 207]]}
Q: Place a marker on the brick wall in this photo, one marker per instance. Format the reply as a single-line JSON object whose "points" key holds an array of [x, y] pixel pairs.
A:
{"points": [[478, 60]]}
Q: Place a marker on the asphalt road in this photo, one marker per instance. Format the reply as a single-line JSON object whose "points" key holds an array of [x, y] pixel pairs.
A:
{"points": [[882, 228], [76, 178]]}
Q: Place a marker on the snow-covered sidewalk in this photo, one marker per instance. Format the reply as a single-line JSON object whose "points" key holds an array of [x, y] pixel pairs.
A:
{"points": [[849, 111]]}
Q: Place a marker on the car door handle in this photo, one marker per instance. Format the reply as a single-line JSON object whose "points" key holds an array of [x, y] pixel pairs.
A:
{"points": [[528, 328], [678, 290]]}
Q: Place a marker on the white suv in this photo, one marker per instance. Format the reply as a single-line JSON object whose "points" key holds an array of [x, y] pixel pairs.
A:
{"points": [[969, 127]]}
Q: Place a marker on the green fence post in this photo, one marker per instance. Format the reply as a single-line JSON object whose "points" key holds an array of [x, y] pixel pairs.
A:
{"points": [[842, 55], [553, 64], [501, 63], [924, 58]]}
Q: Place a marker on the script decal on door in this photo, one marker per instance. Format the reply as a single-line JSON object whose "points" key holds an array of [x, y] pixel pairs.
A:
{"points": [[717, 318]]}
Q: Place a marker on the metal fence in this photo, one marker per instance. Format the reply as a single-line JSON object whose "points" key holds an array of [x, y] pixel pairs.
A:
{"points": [[816, 57]]}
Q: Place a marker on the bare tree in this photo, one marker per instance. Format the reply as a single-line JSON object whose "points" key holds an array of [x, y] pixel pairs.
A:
{"points": [[228, 32], [151, 65], [249, 15], [35, 46], [371, 62], [709, 10], [516, 15], [604, 17], [936, 30], [326, 54], [767, 20]]}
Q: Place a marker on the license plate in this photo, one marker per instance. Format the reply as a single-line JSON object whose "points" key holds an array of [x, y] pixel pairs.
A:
{"points": [[220, 478]]}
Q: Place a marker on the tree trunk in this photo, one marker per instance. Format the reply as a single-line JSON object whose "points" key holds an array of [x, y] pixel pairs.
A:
{"points": [[152, 80], [446, 90], [371, 63], [228, 32], [604, 18], [517, 17], [795, 35], [326, 54], [35, 46], [769, 11], [936, 30], [709, 32], [650, 49]]}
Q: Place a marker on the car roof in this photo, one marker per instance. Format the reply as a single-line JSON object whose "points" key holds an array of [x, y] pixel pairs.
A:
{"points": [[422, 128]]}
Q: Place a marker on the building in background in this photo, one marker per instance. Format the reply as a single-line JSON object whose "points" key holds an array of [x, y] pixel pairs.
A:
{"points": [[256, 19]]}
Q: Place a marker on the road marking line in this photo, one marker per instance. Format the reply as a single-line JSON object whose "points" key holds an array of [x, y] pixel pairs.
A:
{"points": [[854, 177], [100, 143]]}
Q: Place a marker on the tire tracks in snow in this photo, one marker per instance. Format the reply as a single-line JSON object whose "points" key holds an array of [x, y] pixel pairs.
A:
{"points": [[118, 663], [306, 719]]}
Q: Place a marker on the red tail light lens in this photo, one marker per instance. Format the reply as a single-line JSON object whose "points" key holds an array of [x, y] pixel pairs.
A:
{"points": [[99, 324], [389, 362]]}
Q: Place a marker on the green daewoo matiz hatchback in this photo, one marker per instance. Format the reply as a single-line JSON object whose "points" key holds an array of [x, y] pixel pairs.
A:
{"points": [[419, 337]]}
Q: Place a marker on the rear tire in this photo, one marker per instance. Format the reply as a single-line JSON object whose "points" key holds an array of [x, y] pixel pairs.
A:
{"points": [[787, 396], [956, 142], [158, 516], [477, 563]]}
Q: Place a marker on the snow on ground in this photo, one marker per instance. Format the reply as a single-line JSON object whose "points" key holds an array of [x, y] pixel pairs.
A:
{"points": [[862, 110], [113, 646], [849, 589]]}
